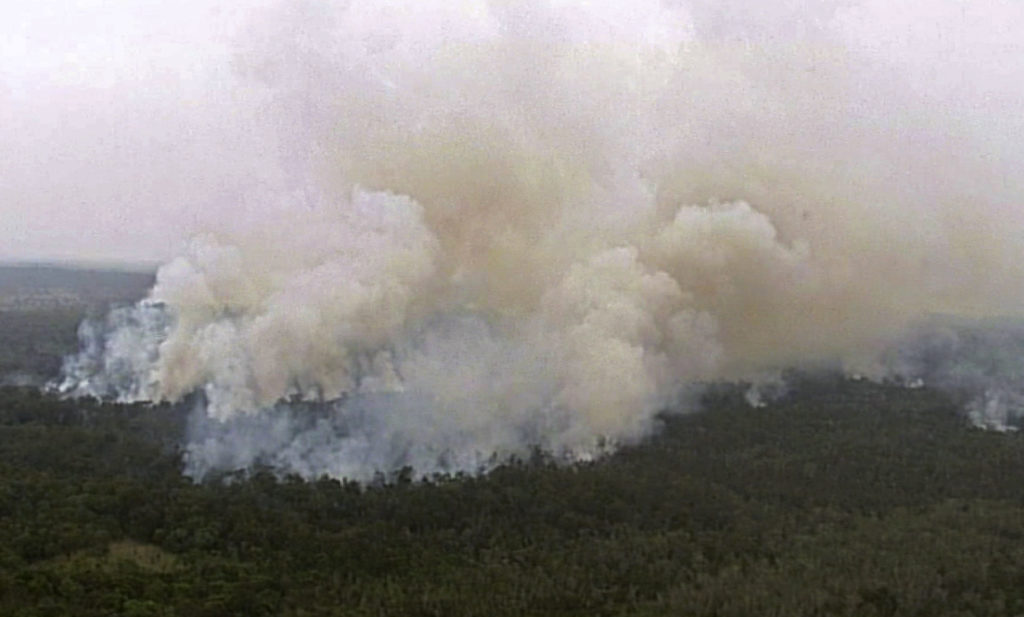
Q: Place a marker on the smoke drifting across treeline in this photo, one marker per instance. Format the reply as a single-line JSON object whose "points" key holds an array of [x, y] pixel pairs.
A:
{"points": [[500, 225]]}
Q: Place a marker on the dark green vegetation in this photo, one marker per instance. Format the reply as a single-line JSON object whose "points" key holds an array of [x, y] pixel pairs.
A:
{"points": [[852, 500], [845, 498]]}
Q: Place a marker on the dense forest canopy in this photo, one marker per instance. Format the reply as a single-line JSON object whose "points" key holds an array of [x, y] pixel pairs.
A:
{"points": [[840, 498], [512, 307]]}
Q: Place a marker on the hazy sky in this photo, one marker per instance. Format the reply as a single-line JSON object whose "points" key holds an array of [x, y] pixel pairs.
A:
{"points": [[119, 137], [498, 223], [123, 131]]}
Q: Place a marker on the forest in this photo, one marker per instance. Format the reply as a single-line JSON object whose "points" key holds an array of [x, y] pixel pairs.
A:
{"points": [[841, 497]]}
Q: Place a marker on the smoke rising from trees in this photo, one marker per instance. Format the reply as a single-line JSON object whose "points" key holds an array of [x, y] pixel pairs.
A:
{"points": [[490, 226]]}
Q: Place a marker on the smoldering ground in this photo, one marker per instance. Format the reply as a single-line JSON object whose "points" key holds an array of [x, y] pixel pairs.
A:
{"points": [[502, 225]]}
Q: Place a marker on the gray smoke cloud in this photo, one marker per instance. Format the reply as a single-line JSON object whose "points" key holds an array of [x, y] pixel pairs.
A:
{"points": [[505, 225]]}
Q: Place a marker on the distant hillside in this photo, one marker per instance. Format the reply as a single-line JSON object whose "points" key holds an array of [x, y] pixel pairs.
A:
{"points": [[41, 307], [41, 286]]}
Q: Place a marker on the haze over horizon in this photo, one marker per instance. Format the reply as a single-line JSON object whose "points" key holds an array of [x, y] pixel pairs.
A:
{"points": [[511, 307], [474, 227]]}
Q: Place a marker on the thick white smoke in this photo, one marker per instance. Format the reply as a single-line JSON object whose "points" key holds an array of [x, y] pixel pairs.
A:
{"points": [[537, 223]]}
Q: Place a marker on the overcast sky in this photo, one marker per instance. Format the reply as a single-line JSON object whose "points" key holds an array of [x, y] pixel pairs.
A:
{"points": [[122, 131], [119, 136]]}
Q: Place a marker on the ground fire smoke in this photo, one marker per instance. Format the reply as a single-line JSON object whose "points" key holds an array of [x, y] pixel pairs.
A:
{"points": [[503, 225]]}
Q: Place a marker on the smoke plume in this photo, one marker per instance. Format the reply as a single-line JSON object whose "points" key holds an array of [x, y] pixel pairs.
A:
{"points": [[505, 225]]}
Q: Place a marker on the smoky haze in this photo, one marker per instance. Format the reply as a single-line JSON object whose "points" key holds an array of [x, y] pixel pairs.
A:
{"points": [[120, 137], [471, 228]]}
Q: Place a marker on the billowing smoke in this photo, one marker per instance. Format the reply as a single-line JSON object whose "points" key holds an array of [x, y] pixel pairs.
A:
{"points": [[506, 225]]}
